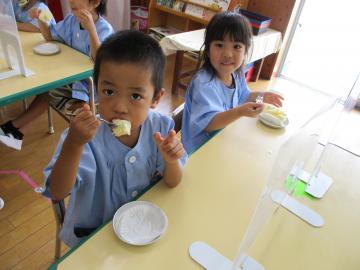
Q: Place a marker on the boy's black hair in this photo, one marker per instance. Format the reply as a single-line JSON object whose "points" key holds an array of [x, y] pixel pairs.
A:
{"points": [[236, 26], [101, 8], [130, 46]]}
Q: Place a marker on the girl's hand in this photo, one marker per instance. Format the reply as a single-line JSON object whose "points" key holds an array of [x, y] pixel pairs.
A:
{"points": [[83, 127], [250, 109], [86, 20], [273, 98], [34, 13], [170, 147]]}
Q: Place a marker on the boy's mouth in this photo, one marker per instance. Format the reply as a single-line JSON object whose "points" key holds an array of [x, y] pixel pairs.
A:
{"points": [[227, 63]]}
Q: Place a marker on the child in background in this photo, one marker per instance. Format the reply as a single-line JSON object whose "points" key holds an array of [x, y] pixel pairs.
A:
{"points": [[83, 29], [21, 10], [218, 93], [102, 172]]}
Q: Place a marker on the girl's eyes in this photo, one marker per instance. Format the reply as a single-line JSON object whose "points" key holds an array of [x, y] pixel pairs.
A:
{"points": [[136, 97], [238, 46], [108, 92]]}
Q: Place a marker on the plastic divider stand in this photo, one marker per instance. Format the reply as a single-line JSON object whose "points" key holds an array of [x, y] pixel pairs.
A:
{"points": [[301, 153], [9, 39]]}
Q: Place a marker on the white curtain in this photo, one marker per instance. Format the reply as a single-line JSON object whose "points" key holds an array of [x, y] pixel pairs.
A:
{"points": [[118, 13]]}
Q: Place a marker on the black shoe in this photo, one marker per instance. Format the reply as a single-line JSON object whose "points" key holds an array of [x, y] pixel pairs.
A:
{"points": [[11, 136]]}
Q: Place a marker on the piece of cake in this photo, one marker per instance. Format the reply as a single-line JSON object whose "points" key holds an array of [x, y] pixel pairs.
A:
{"points": [[273, 114], [45, 16], [122, 127]]}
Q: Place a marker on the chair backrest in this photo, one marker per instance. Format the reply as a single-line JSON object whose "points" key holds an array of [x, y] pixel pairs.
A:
{"points": [[177, 117]]}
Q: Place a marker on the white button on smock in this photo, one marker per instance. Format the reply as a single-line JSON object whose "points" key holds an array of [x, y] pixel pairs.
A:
{"points": [[134, 193], [132, 159]]}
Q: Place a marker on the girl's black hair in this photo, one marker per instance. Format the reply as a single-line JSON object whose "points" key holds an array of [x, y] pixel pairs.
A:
{"points": [[101, 8], [130, 46], [236, 26]]}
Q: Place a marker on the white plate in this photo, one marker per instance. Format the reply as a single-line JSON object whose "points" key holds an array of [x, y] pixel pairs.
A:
{"points": [[272, 124], [47, 48], [139, 223]]}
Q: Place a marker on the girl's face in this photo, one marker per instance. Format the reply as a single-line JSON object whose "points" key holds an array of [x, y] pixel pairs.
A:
{"points": [[77, 5], [125, 91], [226, 56]]}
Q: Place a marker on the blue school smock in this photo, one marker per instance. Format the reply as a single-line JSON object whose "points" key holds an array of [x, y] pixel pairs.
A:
{"points": [[205, 97], [68, 32], [23, 16], [110, 174]]}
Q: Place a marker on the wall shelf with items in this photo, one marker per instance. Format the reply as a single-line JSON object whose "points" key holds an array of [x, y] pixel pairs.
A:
{"points": [[185, 15]]}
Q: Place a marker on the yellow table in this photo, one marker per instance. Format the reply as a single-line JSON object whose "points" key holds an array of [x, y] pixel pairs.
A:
{"points": [[217, 197], [50, 71]]}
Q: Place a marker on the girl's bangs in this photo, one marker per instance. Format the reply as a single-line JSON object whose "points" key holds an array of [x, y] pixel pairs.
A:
{"points": [[231, 30]]}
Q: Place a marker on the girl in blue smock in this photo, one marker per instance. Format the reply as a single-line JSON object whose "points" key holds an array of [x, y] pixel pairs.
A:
{"points": [[21, 12], [218, 94], [101, 172], [84, 29]]}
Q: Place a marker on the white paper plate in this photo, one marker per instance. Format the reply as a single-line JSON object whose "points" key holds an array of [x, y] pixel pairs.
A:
{"points": [[139, 223], [47, 48], [268, 123]]}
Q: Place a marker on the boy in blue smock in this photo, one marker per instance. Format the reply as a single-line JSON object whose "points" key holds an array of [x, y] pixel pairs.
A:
{"points": [[84, 29], [218, 94], [21, 12], [100, 171]]}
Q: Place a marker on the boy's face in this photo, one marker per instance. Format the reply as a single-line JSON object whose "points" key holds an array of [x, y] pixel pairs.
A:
{"points": [[125, 91]]}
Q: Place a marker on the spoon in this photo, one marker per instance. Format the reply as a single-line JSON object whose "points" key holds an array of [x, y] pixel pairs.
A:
{"points": [[98, 117]]}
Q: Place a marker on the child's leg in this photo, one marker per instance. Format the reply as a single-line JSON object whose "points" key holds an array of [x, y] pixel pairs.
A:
{"points": [[12, 132], [36, 108]]}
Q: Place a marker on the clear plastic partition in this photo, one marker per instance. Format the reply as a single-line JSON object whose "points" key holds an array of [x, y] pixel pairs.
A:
{"points": [[300, 163], [11, 56], [297, 168]]}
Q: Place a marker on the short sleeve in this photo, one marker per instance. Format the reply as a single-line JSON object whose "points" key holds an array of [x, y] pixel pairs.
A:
{"points": [[50, 166], [105, 30], [86, 169], [206, 103], [244, 91], [61, 30]]}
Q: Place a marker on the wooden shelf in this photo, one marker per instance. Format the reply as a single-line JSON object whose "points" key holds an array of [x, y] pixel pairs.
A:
{"points": [[180, 14], [203, 6]]}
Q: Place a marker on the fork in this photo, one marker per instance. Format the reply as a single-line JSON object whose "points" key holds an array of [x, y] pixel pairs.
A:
{"points": [[98, 117], [259, 98]]}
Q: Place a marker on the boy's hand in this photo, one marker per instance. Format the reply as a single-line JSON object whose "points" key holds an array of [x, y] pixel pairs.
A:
{"points": [[170, 147], [83, 127], [250, 109], [273, 98], [34, 13], [86, 20]]}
